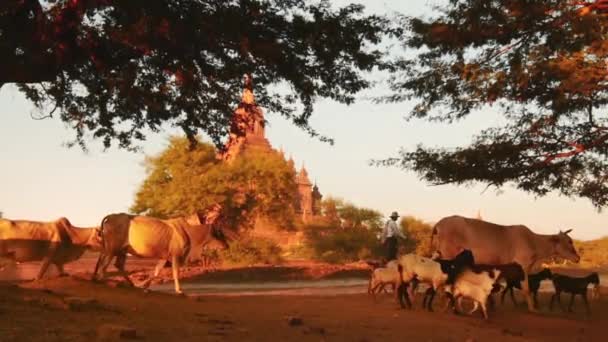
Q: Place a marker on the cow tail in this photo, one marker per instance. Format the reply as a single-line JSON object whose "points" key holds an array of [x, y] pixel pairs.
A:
{"points": [[101, 234]]}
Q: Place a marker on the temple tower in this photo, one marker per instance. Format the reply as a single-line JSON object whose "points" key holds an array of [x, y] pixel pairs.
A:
{"points": [[247, 129]]}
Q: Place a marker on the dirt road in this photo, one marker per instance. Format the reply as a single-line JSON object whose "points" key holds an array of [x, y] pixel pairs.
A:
{"points": [[45, 311]]}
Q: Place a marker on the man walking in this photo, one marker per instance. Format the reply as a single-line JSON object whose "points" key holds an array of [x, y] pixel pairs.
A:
{"points": [[389, 236]]}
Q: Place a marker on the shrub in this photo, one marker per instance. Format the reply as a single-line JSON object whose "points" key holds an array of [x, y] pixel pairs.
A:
{"points": [[250, 251], [336, 245]]}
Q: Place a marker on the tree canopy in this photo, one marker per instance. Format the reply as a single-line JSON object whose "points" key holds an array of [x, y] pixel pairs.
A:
{"points": [[541, 64], [418, 235], [183, 180], [115, 70]]}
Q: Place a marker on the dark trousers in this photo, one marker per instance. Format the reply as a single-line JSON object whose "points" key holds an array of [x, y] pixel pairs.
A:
{"points": [[391, 248]]}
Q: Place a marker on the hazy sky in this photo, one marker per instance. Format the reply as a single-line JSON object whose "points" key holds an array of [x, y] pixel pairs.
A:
{"points": [[40, 179]]}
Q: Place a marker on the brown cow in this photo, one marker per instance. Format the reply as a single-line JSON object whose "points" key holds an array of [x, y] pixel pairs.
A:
{"points": [[147, 237], [494, 244], [56, 242]]}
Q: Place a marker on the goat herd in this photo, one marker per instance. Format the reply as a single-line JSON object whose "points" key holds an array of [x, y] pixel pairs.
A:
{"points": [[461, 278]]}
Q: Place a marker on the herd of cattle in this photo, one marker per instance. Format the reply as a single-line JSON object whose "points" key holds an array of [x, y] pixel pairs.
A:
{"points": [[59, 242], [473, 256]]}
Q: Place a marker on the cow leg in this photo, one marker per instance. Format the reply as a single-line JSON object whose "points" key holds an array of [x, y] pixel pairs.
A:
{"points": [[120, 263], [105, 264], [526, 290], [100, 260], [175, 263], [159, 266], [62, 272], [535, 298], [44, 267]]}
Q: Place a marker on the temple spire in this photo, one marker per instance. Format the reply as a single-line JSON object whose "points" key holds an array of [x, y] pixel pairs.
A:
{"points": [[248, 97]]}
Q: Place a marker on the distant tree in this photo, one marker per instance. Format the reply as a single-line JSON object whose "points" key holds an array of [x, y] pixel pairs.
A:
{"points": [[329, 210], [418, 235], [541, 64], [0, 214], [345, 233], [354, 217], [115, 70], [181, 181]]}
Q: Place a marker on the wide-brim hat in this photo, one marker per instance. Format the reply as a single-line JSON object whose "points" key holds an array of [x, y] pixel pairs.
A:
{"points": [[394, 214]]}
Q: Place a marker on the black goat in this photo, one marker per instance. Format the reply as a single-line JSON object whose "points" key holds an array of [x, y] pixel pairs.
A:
{"points": [[574, 286], [515, 277]]}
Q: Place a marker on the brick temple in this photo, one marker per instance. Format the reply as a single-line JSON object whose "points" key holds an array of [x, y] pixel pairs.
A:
{"points": [[247, 132]]}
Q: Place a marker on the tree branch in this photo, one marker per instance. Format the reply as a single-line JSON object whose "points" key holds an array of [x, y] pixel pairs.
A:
{"points": [[578, 149]]}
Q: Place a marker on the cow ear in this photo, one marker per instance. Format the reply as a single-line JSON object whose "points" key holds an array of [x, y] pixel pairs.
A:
{"points": [[567, 231]]}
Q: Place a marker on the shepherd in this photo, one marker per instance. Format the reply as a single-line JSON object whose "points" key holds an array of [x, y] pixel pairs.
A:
{"points": [[389, 236]]}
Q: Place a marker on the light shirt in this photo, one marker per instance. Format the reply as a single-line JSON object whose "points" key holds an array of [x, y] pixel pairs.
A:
{"points": [[391, 229]]}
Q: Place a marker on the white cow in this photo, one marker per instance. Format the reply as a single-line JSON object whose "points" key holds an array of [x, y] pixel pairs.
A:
{"points": [[494, 244]]}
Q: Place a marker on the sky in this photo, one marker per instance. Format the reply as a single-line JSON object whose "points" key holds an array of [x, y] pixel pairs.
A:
{"points": [[42, 179]]}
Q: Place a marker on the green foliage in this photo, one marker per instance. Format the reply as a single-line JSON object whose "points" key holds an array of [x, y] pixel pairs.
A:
{"points": [[337, 212], [116, 70], [346, 233], [355, 217], [251, 251], [335, 245], [418, 235], [541, 64], [181, 181]]}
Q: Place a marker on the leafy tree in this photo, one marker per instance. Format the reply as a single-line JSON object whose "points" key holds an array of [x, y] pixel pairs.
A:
{"points": [[345, 233], [338, 213], [541, 64], [418, 235], [355, 217], [115, 70], [329, 211], [181, 181]]}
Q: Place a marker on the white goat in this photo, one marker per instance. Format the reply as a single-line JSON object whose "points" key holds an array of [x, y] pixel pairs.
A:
{"points": [[383, 276], [475, 286], [424, 269]]}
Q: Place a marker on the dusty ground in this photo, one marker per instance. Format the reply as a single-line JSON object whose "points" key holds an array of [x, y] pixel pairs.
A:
{"points": [[75, 309]]}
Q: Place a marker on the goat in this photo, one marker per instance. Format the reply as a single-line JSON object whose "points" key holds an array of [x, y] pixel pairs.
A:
{"points": [[515, 278], [414, 267], [452, 268], [383, 276], [476, 286], [574, 286]]}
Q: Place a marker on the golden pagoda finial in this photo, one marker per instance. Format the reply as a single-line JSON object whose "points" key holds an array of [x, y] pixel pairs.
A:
{"points": [[248, 97]]}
